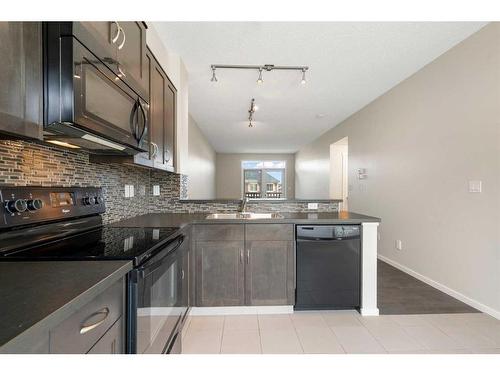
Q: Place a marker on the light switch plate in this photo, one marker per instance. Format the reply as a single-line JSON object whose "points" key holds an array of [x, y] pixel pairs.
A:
{"points": [[399, 245], [475, 186], [131, 187], [127, 191], [312, 206]]}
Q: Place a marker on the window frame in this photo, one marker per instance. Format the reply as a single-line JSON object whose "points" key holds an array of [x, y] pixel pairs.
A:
{"points": [[263, 189]]}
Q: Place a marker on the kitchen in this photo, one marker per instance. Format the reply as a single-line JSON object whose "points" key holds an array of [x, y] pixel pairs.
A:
{"points": [[137, 219]]}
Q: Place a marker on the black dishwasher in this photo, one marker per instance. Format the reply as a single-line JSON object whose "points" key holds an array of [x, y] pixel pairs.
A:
{"points": [[328, 267]]}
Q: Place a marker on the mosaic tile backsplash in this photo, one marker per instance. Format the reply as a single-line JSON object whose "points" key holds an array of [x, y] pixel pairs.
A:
{"points": [[25, 163]]}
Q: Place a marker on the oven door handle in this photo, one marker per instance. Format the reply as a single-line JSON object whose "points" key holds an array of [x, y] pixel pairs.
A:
{"points": [[150, 268]]}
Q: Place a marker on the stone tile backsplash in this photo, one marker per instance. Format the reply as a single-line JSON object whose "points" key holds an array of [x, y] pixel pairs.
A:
{"points": [[25, 163]]}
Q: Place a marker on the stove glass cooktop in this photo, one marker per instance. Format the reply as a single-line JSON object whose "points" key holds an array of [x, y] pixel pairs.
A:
{"points": [[102, 243]]}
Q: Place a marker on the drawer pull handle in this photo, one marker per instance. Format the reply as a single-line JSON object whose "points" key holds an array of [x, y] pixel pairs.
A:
{"points": [[86, 328]]}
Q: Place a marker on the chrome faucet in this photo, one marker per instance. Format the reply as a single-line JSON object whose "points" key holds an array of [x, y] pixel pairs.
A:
{"points": [[243, 205]]}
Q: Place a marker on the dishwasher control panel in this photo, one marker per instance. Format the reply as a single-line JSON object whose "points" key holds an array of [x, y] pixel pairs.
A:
{"points": [[328, 232]]}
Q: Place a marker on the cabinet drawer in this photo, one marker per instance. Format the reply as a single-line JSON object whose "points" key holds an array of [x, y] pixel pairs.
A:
{"points": [[78, 333], [269, 232], [112, 342], [219, 232]]}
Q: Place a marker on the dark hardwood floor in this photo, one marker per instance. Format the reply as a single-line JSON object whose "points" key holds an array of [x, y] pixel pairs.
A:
{"points": [[400, 293]]}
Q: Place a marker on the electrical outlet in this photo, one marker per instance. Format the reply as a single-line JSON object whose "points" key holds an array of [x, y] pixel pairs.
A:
{"points": [[399, 245], [312, 206], [131, 187], [475, 186], [156, 190], [378, 236], [127, 191]]}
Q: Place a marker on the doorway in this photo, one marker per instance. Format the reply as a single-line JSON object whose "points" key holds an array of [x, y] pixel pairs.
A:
{"points": [[339, 183]]}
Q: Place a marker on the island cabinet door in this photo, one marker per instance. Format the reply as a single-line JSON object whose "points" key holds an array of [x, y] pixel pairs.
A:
{"points": [[269, 273], [270, 264], [220, 273]]}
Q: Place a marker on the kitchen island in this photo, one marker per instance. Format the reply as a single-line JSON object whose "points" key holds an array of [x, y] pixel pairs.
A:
{"points": [[369, 240]]}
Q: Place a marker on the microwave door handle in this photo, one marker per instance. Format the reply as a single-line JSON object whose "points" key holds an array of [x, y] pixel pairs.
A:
{"points": [[152, 267], [145, 117], [133, 120]]}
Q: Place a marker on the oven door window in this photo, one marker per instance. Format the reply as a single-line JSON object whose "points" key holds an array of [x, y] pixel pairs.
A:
{"points": [[159, 304]]}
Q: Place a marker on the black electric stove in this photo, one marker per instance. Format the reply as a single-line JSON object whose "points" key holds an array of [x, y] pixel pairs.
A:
{"points": [[65, 223], [57, 228], [137, 244]]}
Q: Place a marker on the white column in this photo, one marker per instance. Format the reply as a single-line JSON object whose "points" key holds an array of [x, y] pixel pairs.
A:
{"points": [[369, 269]]}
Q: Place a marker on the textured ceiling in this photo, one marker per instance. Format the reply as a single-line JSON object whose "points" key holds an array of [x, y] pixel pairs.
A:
{"points": [[350, 64]]}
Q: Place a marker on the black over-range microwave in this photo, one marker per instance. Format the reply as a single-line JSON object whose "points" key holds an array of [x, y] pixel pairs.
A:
{"points": [[86, 104]]}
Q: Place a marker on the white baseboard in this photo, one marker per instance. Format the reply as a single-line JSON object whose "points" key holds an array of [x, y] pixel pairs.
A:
{"points": [[443, 288], [240, 310], [369, 312]]}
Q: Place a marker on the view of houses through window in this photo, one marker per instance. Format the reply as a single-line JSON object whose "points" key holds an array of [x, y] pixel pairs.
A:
{"points": [[264, 179]]}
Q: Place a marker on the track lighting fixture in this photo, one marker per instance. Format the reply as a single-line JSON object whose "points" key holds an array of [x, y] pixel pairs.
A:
{"points": [[260, 80], [214, 78], [251, 111], [261, 68]]}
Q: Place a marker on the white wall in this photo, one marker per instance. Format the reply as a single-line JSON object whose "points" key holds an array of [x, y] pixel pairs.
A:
{"points": [[420, 144], [201, 167], [177, 73], [229, 178]]}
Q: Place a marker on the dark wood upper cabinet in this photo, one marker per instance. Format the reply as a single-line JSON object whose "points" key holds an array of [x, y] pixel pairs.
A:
{"points": [[163, 101], [170, 126], [121, 46], [131, 54], [21, 79]]}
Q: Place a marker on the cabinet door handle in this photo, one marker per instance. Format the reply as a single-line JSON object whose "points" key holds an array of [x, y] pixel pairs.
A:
{"points": [[248, 256], [167, 155], [155, 150], [241, 256], [124, 38], [118, 29], [89, 327], [121, 73], [182, 273]]}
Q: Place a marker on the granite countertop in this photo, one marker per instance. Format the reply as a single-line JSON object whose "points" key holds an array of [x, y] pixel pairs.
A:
{"points": [[35, 296], [260, 200], [183, 219]]}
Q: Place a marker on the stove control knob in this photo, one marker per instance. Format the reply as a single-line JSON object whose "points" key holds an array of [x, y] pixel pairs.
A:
{"points": [[34, 204], [19, 205], [87, 201], [99, 200]]}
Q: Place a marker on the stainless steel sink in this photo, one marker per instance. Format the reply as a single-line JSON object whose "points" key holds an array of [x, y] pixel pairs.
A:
{"points": [[244, 215]]}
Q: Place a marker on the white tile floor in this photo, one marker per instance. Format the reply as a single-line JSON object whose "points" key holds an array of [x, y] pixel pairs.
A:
{"points": [[337, 332]]}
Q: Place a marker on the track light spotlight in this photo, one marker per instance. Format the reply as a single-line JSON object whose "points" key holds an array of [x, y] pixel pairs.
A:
{"points": [[214, 78], [260, 80], [303, 81]]}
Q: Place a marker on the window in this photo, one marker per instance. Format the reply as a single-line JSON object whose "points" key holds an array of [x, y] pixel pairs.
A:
{"points": [[264, 179]]}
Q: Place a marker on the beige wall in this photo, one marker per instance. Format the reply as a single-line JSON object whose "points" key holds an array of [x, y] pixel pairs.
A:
{"points": [[229, 178], [201, 166], [420, 144], [177, 73]]}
